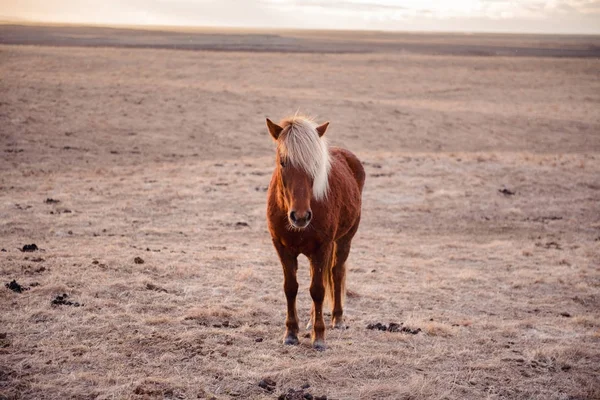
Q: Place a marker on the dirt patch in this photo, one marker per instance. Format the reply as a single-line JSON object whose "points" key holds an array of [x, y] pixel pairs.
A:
{"points": [[28, 269], [156, 389]]}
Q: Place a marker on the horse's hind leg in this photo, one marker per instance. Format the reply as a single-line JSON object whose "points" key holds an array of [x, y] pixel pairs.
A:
{"points": [[342, 247], [339, 278]]}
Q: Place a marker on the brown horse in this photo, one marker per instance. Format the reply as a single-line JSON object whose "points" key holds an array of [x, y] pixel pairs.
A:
{"points": [[314, 206]]}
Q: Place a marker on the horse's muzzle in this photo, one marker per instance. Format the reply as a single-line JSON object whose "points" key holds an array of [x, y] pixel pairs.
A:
{"points": [[300, 221]]}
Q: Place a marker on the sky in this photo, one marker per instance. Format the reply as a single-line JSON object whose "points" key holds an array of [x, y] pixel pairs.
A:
{"points": [[523, 16]]}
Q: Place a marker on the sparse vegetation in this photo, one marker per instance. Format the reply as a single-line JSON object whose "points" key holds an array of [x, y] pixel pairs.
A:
{"points": [[487, 277]]}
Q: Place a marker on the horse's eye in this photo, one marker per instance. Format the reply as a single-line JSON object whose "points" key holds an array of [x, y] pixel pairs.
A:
{"points": [[282, 163]]}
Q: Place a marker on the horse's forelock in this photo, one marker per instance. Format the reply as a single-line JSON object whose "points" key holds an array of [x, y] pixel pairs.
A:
{"points": [[301, 145]]}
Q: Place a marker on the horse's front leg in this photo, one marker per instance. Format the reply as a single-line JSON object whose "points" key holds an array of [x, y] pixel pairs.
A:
{"points": [[289, 261], [319, 261]]}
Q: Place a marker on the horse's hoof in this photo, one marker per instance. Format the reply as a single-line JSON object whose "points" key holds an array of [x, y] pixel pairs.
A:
{"points": [[319, 345], [291, 340], [339, 325]]}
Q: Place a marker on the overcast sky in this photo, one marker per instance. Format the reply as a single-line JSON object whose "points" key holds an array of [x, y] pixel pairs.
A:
{"points": [[551, 16]]}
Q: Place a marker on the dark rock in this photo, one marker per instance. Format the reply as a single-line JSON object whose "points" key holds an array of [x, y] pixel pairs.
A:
{"points": [[506, 192], [4, 342], [30, 247], [152, 286], [565, 314], [258, 340], [15, 287], [378, 326], [61, 300], [292, 394], [546, 219], [394, 327], [138, 260], [383, 174], [268, 384], [51, 201], [406, 329]]}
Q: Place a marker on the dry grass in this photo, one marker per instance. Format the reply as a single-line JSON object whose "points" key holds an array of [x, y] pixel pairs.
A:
{"points": [[160, 154]]}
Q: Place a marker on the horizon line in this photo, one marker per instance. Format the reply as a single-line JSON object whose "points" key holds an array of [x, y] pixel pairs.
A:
{"points": [[4, 20]]}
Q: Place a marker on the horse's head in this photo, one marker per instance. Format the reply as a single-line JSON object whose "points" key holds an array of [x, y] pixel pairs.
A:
{"points": [[302, 166]]}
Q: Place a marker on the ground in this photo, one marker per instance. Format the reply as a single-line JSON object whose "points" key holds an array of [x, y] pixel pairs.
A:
{"points": [[141, 175]]}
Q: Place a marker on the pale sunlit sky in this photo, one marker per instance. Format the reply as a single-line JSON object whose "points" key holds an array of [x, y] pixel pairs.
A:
{"points": [[551, 16]]}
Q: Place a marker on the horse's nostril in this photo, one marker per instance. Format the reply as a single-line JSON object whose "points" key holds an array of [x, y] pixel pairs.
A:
{"points": [[308, 215], [293, 216]]}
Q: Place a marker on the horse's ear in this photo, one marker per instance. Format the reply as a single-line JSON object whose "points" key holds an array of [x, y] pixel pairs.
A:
{"points": [[322, 129], [274, 129]]}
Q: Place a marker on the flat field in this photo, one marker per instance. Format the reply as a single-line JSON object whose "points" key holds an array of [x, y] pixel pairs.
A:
{"points": [[481, 214]]}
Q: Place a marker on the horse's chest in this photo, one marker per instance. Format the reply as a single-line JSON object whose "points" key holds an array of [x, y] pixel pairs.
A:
{"points": [[300, 242]]}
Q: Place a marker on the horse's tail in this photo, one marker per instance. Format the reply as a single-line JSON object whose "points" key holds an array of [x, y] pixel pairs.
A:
{"points": [[329, 280]]}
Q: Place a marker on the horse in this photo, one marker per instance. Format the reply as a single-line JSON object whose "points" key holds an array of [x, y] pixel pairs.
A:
{"points": [[313, 208]]}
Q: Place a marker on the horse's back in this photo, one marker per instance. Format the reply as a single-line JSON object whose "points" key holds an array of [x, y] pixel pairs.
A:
{"points": [[353, 163]]}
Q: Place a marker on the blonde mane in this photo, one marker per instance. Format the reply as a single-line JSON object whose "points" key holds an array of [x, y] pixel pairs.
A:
{"points": [[301, 145]]}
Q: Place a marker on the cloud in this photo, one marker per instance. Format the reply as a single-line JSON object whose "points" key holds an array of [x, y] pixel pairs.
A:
{"points": [[549, 16], [369, 6]]}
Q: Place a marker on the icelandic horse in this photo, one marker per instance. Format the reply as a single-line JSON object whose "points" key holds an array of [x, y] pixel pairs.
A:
{"points": [[313, 208]]}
